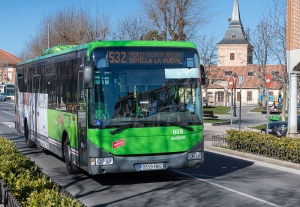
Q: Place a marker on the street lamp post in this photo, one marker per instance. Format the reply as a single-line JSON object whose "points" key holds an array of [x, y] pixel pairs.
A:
{"points": [[234, 105], [5, 78]]}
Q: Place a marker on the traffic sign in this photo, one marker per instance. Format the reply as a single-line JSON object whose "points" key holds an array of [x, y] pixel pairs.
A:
{"points": [[268, 80], [230, 83], [241, 79]]}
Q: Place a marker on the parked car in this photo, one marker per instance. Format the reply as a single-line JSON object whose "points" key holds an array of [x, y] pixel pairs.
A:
{"points": [[280, 128], [2, 97], [271, 110]]}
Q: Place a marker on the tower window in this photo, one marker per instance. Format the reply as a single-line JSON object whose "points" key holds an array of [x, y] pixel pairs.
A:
{"points": [[233, 35], [231, 56]]}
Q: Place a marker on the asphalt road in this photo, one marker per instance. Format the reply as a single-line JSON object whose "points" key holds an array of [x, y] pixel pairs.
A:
{"points": [[222, 181]]}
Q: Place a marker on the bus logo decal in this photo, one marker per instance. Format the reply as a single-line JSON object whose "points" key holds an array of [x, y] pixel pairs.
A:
{"points": [[60, 119], [118, 143]]}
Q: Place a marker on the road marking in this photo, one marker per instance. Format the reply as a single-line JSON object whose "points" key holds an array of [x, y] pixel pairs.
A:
{"points": [[261, 163], [7, 112], [9, 124], [7, 102], [229, 189]]}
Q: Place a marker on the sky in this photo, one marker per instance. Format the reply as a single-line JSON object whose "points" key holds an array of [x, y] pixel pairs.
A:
{"points": [[19, 19]]}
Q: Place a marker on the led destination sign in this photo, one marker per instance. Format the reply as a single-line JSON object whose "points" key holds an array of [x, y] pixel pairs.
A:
{"points": [[132, 57]]}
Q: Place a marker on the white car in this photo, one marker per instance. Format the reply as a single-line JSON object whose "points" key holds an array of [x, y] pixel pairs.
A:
{"points": [[2, 97]]}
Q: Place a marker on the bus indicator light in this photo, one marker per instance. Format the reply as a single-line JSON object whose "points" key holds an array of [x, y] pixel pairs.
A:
{"points": [[92, 161]]}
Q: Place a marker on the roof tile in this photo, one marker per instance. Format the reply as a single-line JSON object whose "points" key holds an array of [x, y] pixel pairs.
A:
{"points": [[11, 59], [217, 73]]}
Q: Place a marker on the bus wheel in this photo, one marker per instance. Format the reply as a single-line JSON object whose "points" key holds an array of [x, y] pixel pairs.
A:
{"points": [[29, 143], [71, 167]]}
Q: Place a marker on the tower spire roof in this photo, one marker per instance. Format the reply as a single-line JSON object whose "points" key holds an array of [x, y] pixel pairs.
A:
{"points": [[235, 33], [236, 14]]}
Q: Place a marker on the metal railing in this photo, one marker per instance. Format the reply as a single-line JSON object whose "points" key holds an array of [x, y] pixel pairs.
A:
{"points": [[7, 198]]}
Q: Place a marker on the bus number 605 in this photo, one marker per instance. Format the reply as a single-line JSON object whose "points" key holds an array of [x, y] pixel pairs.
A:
{"points": [[177, 131]]}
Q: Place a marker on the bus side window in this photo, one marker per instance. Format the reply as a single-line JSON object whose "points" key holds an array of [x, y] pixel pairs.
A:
{"points": [[203, 80]]}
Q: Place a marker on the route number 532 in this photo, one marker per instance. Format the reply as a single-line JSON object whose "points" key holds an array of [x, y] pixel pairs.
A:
{"points": [[116, 57]]}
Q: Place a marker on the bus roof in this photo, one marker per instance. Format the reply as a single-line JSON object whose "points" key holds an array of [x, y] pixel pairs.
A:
{"points": [[91, 45]]}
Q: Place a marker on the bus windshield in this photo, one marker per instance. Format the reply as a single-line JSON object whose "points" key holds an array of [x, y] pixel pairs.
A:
{"points": [[161, 90]]}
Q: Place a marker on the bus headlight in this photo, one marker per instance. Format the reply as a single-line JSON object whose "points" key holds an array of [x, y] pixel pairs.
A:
{"points": [[102, 161], [195, 155]]}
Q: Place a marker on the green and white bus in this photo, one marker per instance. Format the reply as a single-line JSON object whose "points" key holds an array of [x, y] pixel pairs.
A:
{"points": [[114, 106]]}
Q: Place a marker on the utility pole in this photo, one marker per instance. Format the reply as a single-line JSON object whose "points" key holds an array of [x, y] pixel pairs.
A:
{"points": [[234, 85], [230, 86], [240, 113]]}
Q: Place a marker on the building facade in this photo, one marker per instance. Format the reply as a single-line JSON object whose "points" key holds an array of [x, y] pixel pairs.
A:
{"points": [[235, 59], [8, 64]]}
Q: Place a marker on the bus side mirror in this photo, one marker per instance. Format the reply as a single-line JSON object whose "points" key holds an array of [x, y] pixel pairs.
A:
{"points": [[202, 73], [88, 74]]}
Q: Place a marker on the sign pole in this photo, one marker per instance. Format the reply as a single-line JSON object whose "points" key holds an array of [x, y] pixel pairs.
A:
{"points": [[240, 112], [230, 86], [268, 84], [231, 111], [267, 107]]}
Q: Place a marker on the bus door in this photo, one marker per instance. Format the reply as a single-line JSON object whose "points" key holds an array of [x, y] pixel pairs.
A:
{"points": [[34, 105], [81, 114]]}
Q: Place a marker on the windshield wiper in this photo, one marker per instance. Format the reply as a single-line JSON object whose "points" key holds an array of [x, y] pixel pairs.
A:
{"points": [[121, 128], [126, 126], [171, 123]]}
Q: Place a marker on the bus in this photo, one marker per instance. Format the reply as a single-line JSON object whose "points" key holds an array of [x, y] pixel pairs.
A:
{"points": [[8, 89], [114, 106]]}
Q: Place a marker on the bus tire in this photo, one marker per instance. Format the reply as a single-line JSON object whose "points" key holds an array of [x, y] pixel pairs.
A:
{"points": [[71, 167], [29, 143]]}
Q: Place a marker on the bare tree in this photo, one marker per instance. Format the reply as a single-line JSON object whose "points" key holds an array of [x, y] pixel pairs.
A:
{"points": [[261, 40], [3, 66], [207, 48], [269, 41], [178, 19], [276, 13], [152, 35], [72, 26], [130, 28], [103, 26]]}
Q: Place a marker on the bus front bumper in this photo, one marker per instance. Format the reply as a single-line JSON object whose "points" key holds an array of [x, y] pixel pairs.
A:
{"points": [[149, 162]]}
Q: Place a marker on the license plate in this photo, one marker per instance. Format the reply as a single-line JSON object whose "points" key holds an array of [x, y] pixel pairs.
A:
{"points": [[155, 166]]}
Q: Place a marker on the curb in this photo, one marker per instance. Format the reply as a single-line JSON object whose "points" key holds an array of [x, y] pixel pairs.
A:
{"points": [[253, 157], [252, 130]]}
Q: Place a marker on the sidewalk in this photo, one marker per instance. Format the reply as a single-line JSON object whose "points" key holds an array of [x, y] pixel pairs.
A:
{"points": [[210, 131]]}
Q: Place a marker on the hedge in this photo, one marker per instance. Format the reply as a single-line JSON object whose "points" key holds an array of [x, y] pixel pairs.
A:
{"points": [[284, 148], [29, 185]]}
